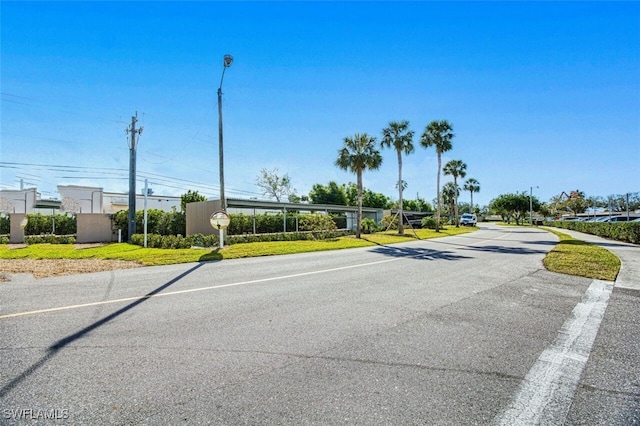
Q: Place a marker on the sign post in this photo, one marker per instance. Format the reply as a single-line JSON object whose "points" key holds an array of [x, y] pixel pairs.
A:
{"points": [[220, 220]]}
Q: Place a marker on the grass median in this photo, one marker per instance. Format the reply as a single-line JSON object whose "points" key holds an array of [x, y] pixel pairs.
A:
{"points": [[575, 257]]}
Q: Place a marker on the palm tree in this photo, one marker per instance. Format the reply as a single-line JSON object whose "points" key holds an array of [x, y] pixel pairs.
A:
{"points": [[455, 168], [359, 154], [449, 191], [472, 186], [439, 135], [399, 136]]}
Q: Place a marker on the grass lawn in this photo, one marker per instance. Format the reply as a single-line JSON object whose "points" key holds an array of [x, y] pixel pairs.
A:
{"points": [[570, 256], [575, 257], [154, 256]]}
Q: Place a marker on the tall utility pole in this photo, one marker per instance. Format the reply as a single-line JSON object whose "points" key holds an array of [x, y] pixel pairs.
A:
{"points": [[132, 176], [228, 59]]}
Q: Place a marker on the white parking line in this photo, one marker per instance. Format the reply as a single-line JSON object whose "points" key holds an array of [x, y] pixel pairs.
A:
{"points": [[546, 393]]}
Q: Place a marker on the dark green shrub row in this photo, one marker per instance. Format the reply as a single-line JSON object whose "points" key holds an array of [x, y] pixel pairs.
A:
{"points": [[58, 224], [158, 222], [175, 222], [199, 240], [628, 232], [175, 241], [5, 224], [49, 239], [273, 223], [289, 236]]}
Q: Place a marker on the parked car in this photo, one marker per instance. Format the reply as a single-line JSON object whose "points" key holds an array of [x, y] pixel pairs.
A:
{"points": [[468, 219], [623, 218]]}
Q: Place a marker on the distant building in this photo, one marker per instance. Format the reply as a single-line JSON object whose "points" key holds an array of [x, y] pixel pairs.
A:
{"points": [[24, 201], [80, 199]]}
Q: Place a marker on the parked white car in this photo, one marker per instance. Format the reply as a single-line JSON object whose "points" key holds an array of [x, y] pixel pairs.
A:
{"points": [[468, 219]]}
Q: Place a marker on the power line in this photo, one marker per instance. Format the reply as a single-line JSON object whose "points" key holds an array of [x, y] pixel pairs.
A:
{"points": [[115, 173]]}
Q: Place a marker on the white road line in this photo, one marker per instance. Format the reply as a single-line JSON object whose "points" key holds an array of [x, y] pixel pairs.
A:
{"points": [[546, 393], [173, 293], [214, 287]]}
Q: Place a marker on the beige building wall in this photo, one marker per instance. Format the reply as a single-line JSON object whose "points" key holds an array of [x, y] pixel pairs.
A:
{"points": [[198, 215], [16, 233], [94, 228]]}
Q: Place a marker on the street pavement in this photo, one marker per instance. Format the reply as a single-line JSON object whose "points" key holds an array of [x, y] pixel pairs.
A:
{"points": [[456, 330]]}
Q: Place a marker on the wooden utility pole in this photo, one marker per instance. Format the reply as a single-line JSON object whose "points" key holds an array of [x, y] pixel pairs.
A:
{"points": [[132, 176]]}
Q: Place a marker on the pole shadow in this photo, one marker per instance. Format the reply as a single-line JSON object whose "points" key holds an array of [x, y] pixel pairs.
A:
{"points": [[65, 341]]}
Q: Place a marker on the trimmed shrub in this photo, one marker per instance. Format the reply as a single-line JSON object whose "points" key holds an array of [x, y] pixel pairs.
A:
{"points": [[175, 241], [369, 226], [428, 222], [49, 239], [628, 232], [317, 222]]}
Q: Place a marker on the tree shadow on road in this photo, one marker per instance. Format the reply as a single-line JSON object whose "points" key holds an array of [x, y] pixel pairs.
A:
{"points": [[417, 253], [65, 341]]}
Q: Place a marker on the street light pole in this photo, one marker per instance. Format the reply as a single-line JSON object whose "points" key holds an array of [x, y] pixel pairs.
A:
{"points": [[228, 59]]}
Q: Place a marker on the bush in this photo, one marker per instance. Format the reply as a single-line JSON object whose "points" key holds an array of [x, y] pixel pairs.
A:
{"points": [[317, 222], [5, 224], [389, 222], [175, 241], [428, 222], [38, 224], [49, 239], [369, 226], [199, 240], [4, 239], [628, 232]]}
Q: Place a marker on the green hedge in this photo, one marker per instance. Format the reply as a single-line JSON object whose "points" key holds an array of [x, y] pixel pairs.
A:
{"points": [[175, 241], [628, 232], [199, 240], [49, 239]]}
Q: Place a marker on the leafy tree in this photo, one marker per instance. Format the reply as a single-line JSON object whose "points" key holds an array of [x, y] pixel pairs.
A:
{"points": [[398, 136], [623, 202], [418, 205], [514, 206], [273, 185], [574, 202], [330, 194], [439, 135], [471, 185], [456, 168], [189, 197], [357, 155], [369, 198], [297, 199]]}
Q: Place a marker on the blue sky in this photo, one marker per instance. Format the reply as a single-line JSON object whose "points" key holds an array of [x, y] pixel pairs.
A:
{"points": [[540, 94]]}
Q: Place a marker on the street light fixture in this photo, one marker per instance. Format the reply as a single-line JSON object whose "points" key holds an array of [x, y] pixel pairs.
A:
{"points": [[228, 59], [531, 205]]}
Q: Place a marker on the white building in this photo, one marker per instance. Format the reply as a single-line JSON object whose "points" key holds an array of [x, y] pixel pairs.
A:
{"points": [[80, 199], [25, 201]]}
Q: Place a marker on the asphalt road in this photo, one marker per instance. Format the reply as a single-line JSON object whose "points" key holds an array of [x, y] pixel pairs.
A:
{"points": [[458, 330]]}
